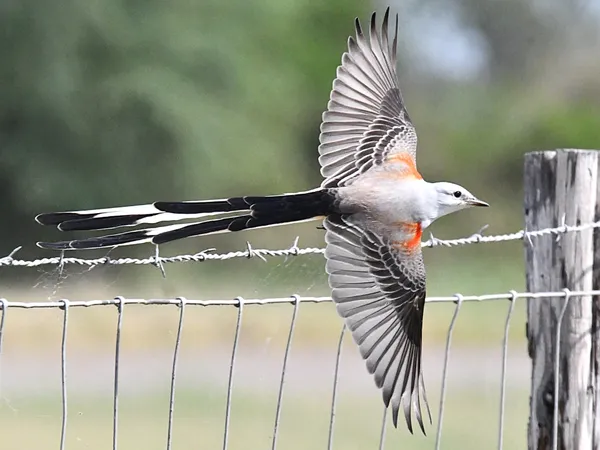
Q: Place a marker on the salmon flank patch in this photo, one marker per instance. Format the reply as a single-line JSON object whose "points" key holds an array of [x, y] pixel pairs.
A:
{"points": [[405, 165], [413, 242]]}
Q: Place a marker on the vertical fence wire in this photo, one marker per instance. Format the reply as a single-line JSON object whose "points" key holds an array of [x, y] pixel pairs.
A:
{"points": [[4, 304], [511, 308], [63, 374], [438, 437], [182, 302], [383, 429], [296, 301], [336, 377], [120, 304], [236, 340], [557, 368]]}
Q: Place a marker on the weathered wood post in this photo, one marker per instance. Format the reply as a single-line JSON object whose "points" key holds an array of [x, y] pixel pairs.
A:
{"points": [[562, 188]]}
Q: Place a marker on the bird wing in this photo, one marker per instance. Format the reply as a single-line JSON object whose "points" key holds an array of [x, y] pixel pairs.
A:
{"points": [[379, 289], [366, 120]]}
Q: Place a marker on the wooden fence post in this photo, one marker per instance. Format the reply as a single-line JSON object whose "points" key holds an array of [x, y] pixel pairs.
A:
{"points": [[562, 188]]}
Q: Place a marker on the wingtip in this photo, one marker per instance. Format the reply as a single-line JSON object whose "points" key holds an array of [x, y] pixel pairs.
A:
{"points": [[395, 417], [395, 42], [386, 17], [374, 21], [409, 424], [352, 46], [358, 27], [422, 427]]}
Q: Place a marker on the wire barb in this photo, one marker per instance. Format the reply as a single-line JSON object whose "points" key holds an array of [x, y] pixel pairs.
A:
{"points": [[8, 259], [158, 261], [252, 253]]}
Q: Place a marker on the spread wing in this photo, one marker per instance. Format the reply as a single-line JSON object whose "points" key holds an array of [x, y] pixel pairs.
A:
{"points": [[365, 119], [380, 293]]}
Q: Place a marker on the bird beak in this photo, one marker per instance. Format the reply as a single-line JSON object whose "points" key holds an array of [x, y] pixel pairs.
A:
{"points": [[477, 202]]}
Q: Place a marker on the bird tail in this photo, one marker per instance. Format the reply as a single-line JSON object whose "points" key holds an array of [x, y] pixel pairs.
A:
{"points": [[232, 214]]}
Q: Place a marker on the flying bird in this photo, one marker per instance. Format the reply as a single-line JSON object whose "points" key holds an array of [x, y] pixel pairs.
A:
{"points": [[375, 206]]}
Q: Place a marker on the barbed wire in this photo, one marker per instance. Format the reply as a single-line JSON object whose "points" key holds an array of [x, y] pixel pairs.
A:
{"points": [[293, 250]]}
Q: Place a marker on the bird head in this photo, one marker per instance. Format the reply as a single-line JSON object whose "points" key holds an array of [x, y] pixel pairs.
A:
{"points": [[452, 197]]}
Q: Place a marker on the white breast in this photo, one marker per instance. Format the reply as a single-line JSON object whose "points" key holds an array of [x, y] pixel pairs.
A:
{"points": [[390, 201]]}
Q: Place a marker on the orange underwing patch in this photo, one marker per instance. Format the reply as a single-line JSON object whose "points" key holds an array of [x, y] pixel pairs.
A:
{"points": [[414, 242], [407, 167]]}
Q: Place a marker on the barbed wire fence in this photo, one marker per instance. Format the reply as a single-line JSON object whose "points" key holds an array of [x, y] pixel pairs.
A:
{"points": [[296, 300], [293, 250], [564, 295]]}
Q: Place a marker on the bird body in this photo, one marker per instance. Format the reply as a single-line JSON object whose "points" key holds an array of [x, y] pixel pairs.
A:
{"points": [[375, 206]]}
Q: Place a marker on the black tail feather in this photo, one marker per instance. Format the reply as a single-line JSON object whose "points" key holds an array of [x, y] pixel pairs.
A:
{"points": [[237, 223], [111, 240], [200, 207], [100, 223], [195, 229], [258, 212], [56, 218]]}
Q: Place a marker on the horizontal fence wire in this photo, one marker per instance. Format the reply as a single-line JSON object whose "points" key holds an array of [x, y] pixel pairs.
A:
{"points": [[293, 250], [292, 299]]}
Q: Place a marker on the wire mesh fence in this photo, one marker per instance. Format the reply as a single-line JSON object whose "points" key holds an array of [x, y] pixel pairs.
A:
{"points": [[183, 304]]}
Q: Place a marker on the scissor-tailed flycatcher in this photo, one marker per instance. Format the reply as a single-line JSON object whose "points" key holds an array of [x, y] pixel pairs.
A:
{"points": [[375, 204]]}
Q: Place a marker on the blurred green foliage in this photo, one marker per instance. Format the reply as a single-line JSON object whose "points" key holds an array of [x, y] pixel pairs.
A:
{"points": [[117, 102]]}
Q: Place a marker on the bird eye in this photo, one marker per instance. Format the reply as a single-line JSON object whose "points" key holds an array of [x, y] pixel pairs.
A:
{"points": [[457, 194]]}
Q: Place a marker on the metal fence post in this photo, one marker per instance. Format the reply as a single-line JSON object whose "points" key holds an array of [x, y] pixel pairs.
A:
{"points": [[561, 188]]}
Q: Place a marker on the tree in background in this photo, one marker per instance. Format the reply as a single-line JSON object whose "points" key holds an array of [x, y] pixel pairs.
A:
{"points": [[121, 101], [117, 102]]}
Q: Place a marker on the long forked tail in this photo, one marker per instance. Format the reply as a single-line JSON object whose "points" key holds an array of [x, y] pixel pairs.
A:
{"points": [[233, 214]]}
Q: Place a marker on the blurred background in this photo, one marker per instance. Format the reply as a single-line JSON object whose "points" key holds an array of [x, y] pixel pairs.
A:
{"points": [[118, 102]]}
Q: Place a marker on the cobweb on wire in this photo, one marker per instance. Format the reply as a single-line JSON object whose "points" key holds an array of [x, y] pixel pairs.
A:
{"points": [[51, 279]]}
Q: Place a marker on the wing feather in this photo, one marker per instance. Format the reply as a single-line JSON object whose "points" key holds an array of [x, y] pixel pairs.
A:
{"points": [[385, 317], [365, 119]]}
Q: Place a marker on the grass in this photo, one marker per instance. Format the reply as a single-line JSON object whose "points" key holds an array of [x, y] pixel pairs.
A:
{"points": [[471, 422]]}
